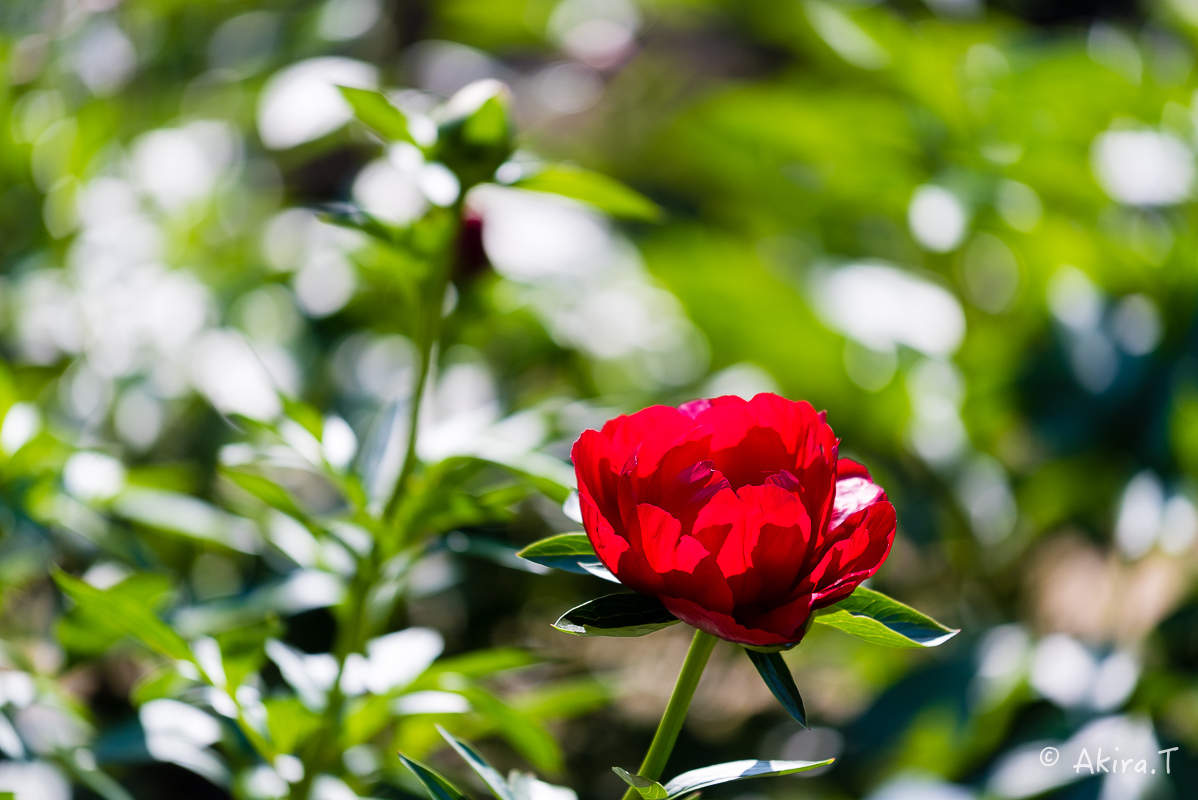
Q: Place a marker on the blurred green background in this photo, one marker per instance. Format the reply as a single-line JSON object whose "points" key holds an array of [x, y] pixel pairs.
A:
{"points": [[966, 230]]}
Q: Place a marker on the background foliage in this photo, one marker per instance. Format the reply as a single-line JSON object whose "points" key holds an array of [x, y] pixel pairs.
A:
{"points": [[965, 231]]}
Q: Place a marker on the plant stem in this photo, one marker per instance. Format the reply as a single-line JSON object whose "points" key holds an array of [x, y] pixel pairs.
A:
{"points": [[675, 715], [430, 332]]}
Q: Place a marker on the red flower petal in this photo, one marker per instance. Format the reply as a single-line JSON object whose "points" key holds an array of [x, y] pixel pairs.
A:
{"points": [[665, 547], [847, 562], [766, 534], [646, 434], [725, 626]]}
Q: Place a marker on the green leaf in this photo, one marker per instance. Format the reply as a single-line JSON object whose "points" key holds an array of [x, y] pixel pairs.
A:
{"points": [[736, 771], [489, 125], [776, 675], [126, 615], [527, 736], [480, 765], [604, 193], [616, 615], [879, 619], [438, 788], [289, 722], [563, 699], [648, 789], [185, 515], [374, 109], [266, 490], [571, 552], [473, 665]]}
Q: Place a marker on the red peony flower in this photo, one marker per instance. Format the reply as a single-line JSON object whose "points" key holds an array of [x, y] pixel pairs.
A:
{"points": [[736, 514]]}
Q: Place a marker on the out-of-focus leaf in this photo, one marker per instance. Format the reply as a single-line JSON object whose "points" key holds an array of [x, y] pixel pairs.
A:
{"points": [[606, 194], [879, 619], [289, 722], [616, 615], [93, 778], [473, 665], [564, 699], [527, 787], [571, 552], [646, 788], [479, 764], [266, 490], [736, 771], [521, 731], [438, 787], [344, 215], [489, 125], [302, 590], [187, 516], [162, 682], [125, 614], [375, 110], [773, 670]]}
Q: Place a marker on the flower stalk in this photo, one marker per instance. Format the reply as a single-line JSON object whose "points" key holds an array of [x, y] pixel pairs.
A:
{"points": [[675, 714]]}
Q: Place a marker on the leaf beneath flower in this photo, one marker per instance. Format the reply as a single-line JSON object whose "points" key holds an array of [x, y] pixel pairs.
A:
{"points": [[777, 676], [616, 615], [646, 788], [438, 788], [736, 771], [480, 765], [571, 552], [876, 618]]}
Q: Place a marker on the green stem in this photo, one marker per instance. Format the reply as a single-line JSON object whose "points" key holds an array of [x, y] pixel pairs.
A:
{"points": [[430, 332], [675, 715]]}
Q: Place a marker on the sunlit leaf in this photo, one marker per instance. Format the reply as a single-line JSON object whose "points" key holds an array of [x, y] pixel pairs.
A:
{"points": [[375, 110], [616, 615], [438, 787], [773, 670], [479, 764], [264, 489], [736, 771], [646, 788], [185, 516], [571, 552], [125, 614], [879, 619], [604, 193]]}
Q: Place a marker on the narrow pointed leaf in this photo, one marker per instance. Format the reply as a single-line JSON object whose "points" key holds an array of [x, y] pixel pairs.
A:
{"points": [[438, 788], [776, 675], [879, 619], [646, 788], [265, 490], [481, 767], [616, 615], [736, 771], [126, 615], [606, 194], [571, 552], [375, 110]]}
